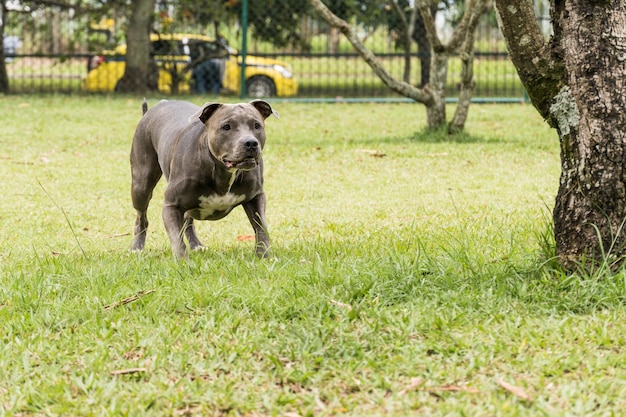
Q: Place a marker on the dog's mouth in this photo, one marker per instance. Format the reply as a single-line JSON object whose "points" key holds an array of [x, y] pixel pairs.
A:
{"points": [[244, 164]]}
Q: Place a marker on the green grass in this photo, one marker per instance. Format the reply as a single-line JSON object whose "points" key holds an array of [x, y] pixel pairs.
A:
{"points": [[418, 282]]}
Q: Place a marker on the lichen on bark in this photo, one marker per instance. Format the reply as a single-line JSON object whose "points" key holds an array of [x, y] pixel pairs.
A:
{"points": [[564, 111]]}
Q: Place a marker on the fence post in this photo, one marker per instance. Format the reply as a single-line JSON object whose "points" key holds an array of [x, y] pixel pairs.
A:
{"points": [[244, 45]]}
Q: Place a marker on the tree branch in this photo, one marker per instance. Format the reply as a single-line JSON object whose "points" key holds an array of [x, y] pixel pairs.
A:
{"points": [[400, 13], [429, 25], [475, 9], [541, 74], [400, 87], [467, 76]]}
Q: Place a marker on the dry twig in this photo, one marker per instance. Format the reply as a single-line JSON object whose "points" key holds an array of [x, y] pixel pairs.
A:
{"points": [[128, 371], [128, 300], [517, 391]]}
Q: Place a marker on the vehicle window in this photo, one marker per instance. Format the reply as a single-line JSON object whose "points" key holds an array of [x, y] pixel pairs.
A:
{"points": [[211, 47], [165, 47], [194, 50], [201, 49]]}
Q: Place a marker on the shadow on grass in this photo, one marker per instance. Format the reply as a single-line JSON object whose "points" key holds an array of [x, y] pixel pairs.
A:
{"points": [[442, 136], [430, 136]]}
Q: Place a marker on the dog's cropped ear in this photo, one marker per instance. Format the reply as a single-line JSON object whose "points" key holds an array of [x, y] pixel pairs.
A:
{"points": [[205, 112], [264, 108]]}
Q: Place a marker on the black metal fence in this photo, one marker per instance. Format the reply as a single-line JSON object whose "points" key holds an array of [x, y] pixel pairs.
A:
{"points": [[52, 49]]}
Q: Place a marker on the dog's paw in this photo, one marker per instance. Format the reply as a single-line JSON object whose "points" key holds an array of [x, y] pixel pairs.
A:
{"points": [[197, 248], [263, 252]]}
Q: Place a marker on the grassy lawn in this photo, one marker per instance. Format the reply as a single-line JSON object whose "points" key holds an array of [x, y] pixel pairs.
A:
{"points": [[412, 273]]}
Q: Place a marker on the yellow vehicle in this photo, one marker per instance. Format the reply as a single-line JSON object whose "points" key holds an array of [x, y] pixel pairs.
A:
{"points": [[178, 58]]}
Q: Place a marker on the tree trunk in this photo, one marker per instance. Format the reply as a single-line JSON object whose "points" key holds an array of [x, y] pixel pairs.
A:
{"points": [[591, 114], [139, 72], [4, 76], [577, 82], [436, 113], [334, 39]]}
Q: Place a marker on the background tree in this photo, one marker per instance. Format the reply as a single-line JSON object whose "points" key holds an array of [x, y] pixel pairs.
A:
{"points": [[407, 21], [4, 76], [280, 28], [139, 73], [431, 95], [577, 82], [198, 13]]}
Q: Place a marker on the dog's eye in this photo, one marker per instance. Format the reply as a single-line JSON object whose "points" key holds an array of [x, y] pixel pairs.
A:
{"points": [[226, 127], [257, 125]]}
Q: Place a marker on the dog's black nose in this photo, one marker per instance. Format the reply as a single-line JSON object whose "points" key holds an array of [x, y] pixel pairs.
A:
{"points": [[251, 144]]}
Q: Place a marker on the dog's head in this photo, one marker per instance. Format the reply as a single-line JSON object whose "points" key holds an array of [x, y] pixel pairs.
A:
{"points": [[235, 132]]}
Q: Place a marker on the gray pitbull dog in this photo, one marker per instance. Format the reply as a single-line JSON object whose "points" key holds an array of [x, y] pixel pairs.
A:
{"points": [[211, 159]]}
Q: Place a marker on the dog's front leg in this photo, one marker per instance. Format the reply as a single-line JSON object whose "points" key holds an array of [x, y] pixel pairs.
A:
{"points": [[174, 224], [192, 236], [255, 210]]}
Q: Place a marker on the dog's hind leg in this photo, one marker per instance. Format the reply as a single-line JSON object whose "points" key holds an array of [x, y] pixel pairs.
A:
{"points": [[146, 173]]}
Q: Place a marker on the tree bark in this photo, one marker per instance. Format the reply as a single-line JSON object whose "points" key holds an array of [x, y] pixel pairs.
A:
{"points": [[577, 82], [538, 62], [139, 71], [467, 85]]}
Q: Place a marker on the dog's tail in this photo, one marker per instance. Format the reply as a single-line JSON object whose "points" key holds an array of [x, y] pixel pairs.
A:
{"points": [[144, 106]]}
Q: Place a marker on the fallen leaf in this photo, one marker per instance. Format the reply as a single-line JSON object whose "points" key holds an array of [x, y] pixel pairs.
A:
{"points": [[243, 238], [517, 391], [415, 384], [340, 304]]}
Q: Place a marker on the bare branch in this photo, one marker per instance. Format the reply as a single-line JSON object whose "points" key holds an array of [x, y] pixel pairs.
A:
{"points": [[467, 83], [474, 10], [399, 12], [429, 25], [540, 72], [400, 87], [128, 300], [409, 29]]}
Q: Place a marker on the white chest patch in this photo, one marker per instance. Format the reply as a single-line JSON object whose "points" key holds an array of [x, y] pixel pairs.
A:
{"points": [[214, 203]]}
